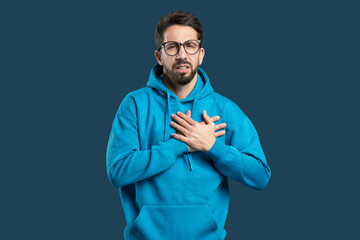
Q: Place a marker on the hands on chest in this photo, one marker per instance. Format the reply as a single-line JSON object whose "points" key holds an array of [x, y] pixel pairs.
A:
{"points": [[197, 136]]}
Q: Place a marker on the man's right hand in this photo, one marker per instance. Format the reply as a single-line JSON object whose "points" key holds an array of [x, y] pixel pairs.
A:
{"points": [[213, 119], [217, 127]]}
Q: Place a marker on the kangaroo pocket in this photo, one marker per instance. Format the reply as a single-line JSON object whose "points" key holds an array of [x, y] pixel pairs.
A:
{"points": [[174, 222]]}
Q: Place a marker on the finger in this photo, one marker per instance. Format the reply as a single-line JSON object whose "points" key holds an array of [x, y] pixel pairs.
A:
{"points": [[179, 128], [181, 121], [215, 118], [179, 137], [207, 118], [220, 133], [188, 113], [220, 126], [189, 120]]}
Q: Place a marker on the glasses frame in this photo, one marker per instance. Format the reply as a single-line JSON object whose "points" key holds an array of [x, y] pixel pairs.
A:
{"points": [[179, 44]]}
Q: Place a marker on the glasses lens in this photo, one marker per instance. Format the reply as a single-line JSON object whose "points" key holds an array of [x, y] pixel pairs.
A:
{"points": [[191, 46], [171, 48]]}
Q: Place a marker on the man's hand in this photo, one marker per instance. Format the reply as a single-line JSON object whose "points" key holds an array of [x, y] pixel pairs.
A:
{"points": [[197, 136]]}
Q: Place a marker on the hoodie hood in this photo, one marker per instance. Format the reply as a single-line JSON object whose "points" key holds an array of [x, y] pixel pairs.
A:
{"points": [[202, 88]]}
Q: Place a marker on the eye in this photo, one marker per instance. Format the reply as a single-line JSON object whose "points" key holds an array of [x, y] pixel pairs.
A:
{"points": [[171, 46], [190, 45]]}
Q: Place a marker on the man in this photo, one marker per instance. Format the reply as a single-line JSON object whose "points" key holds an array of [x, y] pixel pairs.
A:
{"points": [[168, 158]]}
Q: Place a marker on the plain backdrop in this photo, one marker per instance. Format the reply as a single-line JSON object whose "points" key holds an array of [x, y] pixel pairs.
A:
{"points": [[291, 66]]}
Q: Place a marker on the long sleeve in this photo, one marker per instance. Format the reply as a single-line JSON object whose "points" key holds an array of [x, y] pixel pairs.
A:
{"points": [[125, 162], [243, 158]]}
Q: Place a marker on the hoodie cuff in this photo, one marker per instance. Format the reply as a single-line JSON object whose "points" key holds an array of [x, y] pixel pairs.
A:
{"points": [[177, 147], [218, 151]]}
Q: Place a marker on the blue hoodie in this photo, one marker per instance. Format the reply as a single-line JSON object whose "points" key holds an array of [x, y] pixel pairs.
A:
{"points": [[166, 192]]}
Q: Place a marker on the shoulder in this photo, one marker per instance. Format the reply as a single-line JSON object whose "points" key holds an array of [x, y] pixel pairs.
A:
{"points": [[131, 100], [231, 110], [135, 96], [138, 93]]}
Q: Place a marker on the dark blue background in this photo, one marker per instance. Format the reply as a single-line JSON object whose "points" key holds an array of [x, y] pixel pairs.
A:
{"points": [[292, 67]]}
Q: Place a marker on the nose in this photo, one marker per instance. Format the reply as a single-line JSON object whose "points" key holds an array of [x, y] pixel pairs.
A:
{"points": [[181, 54]]}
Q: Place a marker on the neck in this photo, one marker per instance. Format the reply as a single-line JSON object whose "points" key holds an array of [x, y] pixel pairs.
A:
{"points": [[181, 91]]}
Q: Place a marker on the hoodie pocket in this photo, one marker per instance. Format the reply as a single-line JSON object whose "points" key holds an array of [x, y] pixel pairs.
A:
{"points": [[174, 222]]}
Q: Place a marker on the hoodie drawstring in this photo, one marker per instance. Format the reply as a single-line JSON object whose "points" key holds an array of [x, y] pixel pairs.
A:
{"points": [[167, 116], [167, 124], [189, 156]]}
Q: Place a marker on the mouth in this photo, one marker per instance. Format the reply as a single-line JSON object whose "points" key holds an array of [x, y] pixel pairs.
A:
{"points": [[182, 68]]}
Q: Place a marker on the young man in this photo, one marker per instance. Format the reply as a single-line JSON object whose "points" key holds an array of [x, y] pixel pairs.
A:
{"points": [[168, 158]]}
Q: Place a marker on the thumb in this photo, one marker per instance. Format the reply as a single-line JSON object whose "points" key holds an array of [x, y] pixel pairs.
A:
{"points": [[206, 118]]}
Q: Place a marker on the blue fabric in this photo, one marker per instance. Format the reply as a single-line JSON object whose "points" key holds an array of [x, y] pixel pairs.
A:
{"points": [[167, 192]]}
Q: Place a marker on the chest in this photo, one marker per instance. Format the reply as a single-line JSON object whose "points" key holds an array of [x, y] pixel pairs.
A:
{"points": [[155, 117]]}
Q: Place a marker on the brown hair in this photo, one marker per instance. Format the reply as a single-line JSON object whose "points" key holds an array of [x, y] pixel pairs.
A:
{"points": [[177, 18]]}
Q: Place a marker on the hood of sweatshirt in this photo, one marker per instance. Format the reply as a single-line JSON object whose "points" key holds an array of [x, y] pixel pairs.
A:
{"points": [[201, 90]]}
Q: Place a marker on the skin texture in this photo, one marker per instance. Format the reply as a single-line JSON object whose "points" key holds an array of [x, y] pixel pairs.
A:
{"points": [[198, 136], [180, 34]]}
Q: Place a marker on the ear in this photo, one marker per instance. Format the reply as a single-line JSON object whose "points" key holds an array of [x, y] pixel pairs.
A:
{"points": [[158, 57], [201, 55]]}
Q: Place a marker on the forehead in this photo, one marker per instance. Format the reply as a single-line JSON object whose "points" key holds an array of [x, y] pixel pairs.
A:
{"points": [[179, 33]]}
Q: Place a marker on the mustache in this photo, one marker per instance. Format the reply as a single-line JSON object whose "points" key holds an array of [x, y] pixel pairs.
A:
{"points": [[182, 62]]}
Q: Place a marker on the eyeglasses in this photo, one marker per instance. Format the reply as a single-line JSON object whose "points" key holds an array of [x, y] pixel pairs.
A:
{"points": [[172, 48]]}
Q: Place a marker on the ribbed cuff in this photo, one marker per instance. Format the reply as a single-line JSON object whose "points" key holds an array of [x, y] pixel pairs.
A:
{"points": [[177, 147], [218, 151]]}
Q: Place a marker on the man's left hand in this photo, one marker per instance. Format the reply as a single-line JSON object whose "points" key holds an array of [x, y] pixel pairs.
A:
{"points": [[198, 136]]}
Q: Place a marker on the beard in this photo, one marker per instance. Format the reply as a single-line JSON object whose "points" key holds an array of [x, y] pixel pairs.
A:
{"points": [[180, 78]]}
